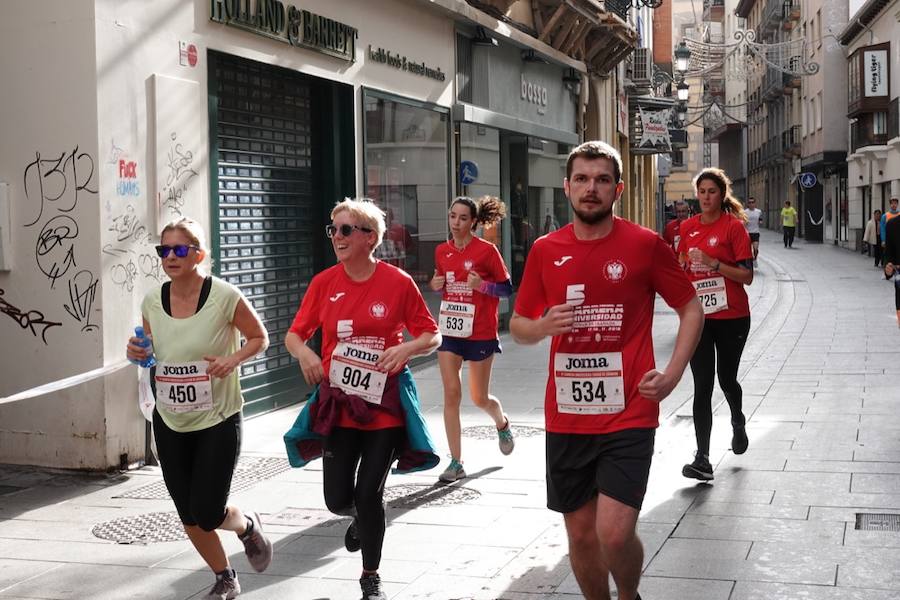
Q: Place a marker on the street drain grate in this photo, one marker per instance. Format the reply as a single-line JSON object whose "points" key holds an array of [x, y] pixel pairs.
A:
{"points": [[411, 495], [142, 529], [250, 470], [489, 432], [877, 522]]}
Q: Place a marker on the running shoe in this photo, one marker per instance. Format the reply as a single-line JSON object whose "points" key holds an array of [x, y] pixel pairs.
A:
{"points": [[351, 538], [226, 586], [453, 472], [699, 469], [505, 435], [739, 440], [257, 546], [371, 587]]}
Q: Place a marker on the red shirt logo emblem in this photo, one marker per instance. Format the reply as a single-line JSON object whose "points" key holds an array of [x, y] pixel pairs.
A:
{"points": [[614, 271], [378, 310]]}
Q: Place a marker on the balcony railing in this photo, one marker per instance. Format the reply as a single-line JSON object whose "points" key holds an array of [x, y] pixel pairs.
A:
{"points": [[893, 124], [790, 141], [772, 84], [619, 7], [861, 135], [790, 10]]}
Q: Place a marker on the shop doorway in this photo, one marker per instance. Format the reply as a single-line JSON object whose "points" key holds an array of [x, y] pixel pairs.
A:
{"points": [[281, 155]]}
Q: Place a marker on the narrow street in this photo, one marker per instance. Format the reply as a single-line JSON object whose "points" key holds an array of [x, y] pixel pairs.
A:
{"points": [[820, 379]]}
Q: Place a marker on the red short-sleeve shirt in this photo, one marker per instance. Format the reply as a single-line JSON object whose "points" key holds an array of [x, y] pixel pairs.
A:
{"points": [[613, 283], [480, 257], [727, 241], [371, 313]]}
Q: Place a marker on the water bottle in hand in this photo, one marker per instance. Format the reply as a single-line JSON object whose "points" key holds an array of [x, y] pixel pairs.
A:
{"points": [[144, 343]]}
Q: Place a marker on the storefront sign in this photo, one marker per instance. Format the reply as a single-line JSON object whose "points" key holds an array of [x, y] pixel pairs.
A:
{"points": [[404, 63], [270, 18], [655, 128], [534, 93], [875, 73]]}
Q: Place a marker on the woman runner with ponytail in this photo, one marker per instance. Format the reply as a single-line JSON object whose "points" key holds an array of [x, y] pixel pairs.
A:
{"points": [[716, 253], [473, 277]]}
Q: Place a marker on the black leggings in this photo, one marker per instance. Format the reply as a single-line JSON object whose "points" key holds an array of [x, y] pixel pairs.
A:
{"points": [[725, 339], [197, 467], [359, 492]]}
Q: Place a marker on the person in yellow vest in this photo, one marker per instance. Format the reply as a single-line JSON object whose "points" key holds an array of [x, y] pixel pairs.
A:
{"points": [[788, 223]]}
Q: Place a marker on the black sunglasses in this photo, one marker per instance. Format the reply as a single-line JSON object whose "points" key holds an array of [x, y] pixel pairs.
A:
{"points": [[346, 230], [181, 250]]}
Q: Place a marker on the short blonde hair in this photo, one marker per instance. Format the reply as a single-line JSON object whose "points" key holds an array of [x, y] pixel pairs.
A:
{"points": [[366, 213]]}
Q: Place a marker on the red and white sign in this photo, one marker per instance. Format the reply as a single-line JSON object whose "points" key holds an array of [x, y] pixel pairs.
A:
{"points": [[187, 54]]}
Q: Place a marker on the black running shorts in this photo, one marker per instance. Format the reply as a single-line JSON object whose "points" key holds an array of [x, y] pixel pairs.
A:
{"points": [[579, 466]]}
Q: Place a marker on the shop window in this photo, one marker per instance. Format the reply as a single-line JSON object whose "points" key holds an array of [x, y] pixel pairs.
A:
{"points": [[407, 175]]}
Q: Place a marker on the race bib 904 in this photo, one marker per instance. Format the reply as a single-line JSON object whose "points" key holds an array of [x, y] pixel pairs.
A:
{"points": [[183, 387], [353, 371], [589, 384]]}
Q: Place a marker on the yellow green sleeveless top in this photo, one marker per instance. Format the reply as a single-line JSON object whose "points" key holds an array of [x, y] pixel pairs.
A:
{"points": [[177, 343]]}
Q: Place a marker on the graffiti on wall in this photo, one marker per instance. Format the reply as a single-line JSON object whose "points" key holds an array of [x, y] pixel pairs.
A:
{"points": [[31, 320], [179, 172], [54, 185]]}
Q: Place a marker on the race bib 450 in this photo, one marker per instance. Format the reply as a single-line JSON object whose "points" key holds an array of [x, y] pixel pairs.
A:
{"points": [[183, 387]]}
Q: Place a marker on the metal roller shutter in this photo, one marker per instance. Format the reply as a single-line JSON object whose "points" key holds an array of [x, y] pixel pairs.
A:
{"points": [[265, 209]]}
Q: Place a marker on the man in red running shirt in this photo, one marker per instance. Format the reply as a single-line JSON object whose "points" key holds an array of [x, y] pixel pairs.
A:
{"points": [[591, 286], [671, 233]]}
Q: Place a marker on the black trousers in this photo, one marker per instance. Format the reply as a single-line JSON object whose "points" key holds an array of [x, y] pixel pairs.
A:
{"points": [[718, 352], [355, 467], [788, 236]]}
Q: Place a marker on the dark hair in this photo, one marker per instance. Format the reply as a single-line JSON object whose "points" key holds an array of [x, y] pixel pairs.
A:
{"points": [[593, 150], [730, 204], [487, 211]]}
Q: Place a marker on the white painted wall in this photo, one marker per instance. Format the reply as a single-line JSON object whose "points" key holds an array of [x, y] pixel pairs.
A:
{"points": [[101, 76]]}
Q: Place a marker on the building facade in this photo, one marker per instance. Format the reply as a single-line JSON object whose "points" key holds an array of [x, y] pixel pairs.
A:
{"points": [[254, 118], [873, 162]]}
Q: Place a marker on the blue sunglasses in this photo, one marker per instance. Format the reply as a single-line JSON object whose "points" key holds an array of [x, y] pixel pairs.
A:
{"points": [[181, 250]]}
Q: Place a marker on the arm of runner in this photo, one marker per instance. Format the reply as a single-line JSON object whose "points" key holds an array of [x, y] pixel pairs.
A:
{"points": [[310, 362], [395, 358], [736, 273], [247, 322], [556, 321], [656, 385]]}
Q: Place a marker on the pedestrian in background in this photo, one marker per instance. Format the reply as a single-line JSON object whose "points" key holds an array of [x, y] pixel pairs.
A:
{"points": [[715, 249], [872, 237], [754, 216], [788, 223], [672, 233], [196, 321]]}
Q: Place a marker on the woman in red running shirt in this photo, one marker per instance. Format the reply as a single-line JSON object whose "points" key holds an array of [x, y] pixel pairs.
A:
{"points": [[473, 277], [365, 413], [716, 253]]}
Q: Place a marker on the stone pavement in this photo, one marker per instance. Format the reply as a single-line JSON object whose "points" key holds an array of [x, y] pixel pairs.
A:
{"points": [[820, 377]]}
